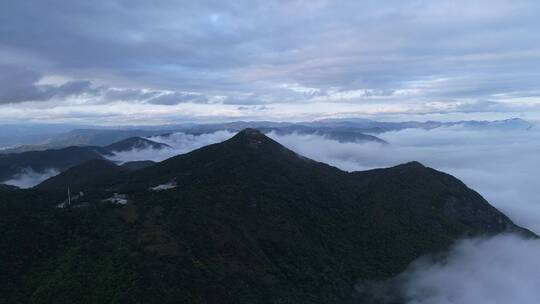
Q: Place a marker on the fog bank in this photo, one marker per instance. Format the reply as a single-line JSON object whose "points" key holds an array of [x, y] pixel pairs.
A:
{"points": [[29, 178], [498, 270]]}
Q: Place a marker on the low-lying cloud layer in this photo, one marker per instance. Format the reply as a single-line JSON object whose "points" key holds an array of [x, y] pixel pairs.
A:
{"points": [[179, 142], [498, 270], [28, 178]]}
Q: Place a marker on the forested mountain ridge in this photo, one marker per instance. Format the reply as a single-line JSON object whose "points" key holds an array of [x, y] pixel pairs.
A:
{"points": [[242, 221]]}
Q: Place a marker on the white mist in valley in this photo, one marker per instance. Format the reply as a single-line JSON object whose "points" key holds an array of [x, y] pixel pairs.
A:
{"points": [[28, 178], [498, 270], [179, 143]]}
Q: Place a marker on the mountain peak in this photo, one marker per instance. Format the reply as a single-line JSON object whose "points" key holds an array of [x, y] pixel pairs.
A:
{"points": [[413, 164], [250, 133], [253, 139]]}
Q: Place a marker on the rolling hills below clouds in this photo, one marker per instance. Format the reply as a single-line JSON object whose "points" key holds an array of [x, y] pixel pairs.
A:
{"points": [[244, 221], [27, 169]]}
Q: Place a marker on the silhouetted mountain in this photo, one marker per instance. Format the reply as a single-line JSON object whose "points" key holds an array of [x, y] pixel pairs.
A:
{"points": [[4, 187], [137, 165], [242, 221], [135, 143]]}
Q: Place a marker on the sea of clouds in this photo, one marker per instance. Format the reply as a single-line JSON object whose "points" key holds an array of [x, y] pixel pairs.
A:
{"points": [[502, 165], [498, 270], [179, 143]]}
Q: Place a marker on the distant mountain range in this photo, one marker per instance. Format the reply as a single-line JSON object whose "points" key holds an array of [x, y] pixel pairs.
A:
{"points": [[75, 147], [366, 126], [371, 126], [242, 221], [82, 137], [344, 130]]}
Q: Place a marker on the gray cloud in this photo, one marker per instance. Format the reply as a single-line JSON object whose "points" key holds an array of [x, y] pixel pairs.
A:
{"points": [[493, 106], [178, 97], [20, 85], [128, 94], [71, 88], [249, 52]]}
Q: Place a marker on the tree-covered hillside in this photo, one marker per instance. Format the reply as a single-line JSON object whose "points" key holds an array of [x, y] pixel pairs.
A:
{"points": [[243, 221]]}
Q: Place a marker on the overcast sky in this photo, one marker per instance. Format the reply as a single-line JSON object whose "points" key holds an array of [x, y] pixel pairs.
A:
{"points": [[153, 62]]}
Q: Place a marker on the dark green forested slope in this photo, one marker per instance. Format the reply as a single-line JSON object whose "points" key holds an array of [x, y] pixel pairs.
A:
{"points": [[138, 164], [248, 222], [89, 175]]}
